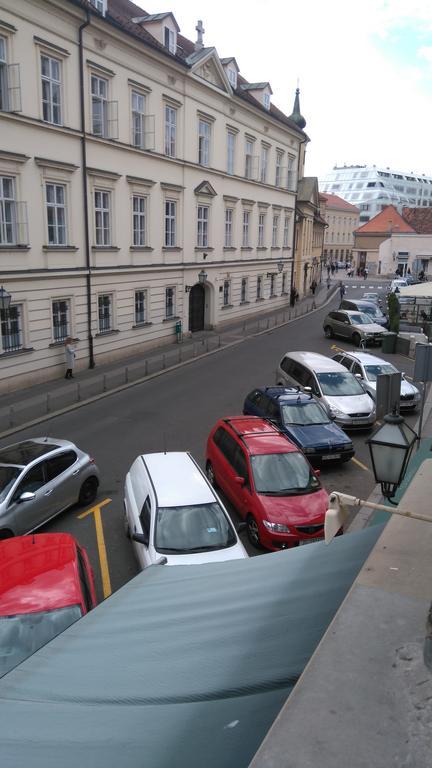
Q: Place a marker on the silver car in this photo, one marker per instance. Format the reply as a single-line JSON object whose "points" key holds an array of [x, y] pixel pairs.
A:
{"points": [[39, 478], [355, 326], [367, 367]]}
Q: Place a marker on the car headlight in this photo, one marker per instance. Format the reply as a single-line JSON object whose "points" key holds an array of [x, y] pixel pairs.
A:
{"points": [[309, 450], [336, 412], [417, 396], [347, 446], [276, 527]]}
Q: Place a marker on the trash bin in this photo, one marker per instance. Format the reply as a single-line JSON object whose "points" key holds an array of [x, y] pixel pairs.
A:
{"points": [[427, 329], [178, 331], [389, 342]]}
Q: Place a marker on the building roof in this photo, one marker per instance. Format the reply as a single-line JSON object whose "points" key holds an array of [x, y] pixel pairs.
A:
{"points": [[387, 222], [334, 201], [420, 219]]}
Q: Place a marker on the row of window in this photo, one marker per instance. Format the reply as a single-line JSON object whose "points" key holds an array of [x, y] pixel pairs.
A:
{"points": [[14, 230], [12, 327], [104, 121]]}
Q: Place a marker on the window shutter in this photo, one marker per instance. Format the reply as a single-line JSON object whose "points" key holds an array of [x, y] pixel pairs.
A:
{"points": [[14, 88]]}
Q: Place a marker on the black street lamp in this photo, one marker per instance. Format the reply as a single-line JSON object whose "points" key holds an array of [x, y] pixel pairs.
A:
{"points": [[202, 276], [390, 448], [5, 299]]}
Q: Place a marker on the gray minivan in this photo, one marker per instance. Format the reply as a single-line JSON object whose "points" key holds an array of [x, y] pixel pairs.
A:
{"points": [[331, 384]]}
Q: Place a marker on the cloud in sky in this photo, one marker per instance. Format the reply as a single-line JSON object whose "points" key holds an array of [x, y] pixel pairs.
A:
{"points": [[365, 70]]}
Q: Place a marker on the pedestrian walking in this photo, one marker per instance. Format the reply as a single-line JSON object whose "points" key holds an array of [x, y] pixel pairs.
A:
{"points": [[341, 290], [346, 266], [70, 357], [337, 267], [332, 267], [328, 282], [365, 273], [328, 270], [313, 287]]}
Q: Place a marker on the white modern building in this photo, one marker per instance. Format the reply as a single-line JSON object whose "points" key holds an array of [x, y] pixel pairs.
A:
{"points": [[371, 188], [143, 182]]}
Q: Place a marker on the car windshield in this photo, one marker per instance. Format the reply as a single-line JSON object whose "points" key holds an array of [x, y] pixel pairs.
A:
{"points": [[360, 318], [372, 310], [23, 634], [193, 528], [283, 474], [8, 475], [372, 371], [299, 414], [339, 384]]}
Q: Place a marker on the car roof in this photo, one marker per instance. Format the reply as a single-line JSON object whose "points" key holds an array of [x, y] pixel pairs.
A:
{"points": [[38, 573], [366, 359], [286, 394], [177, 479], [259, 435], [23, 453], [315, 361]]}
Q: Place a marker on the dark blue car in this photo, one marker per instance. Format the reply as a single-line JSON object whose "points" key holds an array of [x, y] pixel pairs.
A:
{"points": [[303, 420]]}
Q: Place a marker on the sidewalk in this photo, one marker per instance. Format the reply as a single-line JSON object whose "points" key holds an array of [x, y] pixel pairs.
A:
{"points": [[32, 405]]}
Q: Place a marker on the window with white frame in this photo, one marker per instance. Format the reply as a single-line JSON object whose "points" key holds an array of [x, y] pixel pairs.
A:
{"points": [[230, 152], [249, 146], [139, 220], [266, 100], [7, 211], [51, 89], [272, 285], [243, 290], [291, 174], [259, 290], [169, 302], [246, 222], [138, 119], [203, 222], [170, 131], [286, 231], [170, 39], [10, 81], [99, 96], [4, 101], [261, 229], [102, 202], [232, 77], [264, 164], [100, 5], [204, 132], [140, 307], [170, 223], [275, 231], [226, 293], [229, 212], [11, 328], [61, 319], [105, 312], [284, 282], [55, 195], [279, 162]]}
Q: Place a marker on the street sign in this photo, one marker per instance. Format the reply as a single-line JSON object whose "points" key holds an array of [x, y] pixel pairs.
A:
{"points": [[423, 363], [387, 393]]}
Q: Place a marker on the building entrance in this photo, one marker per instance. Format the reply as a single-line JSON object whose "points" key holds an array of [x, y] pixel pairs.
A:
{"points": [[196, 308]]}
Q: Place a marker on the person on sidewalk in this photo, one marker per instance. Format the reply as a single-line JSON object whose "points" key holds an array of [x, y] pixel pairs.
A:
{"points": [[365, 273], [328, 282], [70, 357], [341, 290], [313, 287]]}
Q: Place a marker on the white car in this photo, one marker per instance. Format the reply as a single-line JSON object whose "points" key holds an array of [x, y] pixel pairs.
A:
{"points": [[368, 367], [173, 515], [397, 284]]}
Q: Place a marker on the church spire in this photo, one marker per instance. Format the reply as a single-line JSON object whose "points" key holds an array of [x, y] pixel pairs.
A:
{"points": [[296, 116]]}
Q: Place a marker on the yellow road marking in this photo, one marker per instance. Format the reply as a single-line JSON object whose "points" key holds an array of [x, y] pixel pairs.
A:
{"points": [[96, 511], [360, 464], [338, 349]]}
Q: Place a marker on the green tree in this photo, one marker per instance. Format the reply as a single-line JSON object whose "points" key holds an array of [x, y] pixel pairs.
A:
{"points": [[394, 312]]}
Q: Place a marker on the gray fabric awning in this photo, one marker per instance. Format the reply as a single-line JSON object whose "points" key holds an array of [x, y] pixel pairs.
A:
{"points": [[184, 666]]}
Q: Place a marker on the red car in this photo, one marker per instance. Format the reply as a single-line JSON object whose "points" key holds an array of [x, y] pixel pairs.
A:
{"points": [[268, 480], [46, 584]]}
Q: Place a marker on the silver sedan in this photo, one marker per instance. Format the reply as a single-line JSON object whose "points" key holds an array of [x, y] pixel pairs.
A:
{"points": [[39, 478]]}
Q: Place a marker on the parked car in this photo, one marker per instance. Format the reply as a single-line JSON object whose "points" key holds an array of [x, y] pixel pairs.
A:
{"points": [[397, 283], [329, 382], [172, 511], [303, 420], [39, 478], [372, 296], [367, 308], [46, 584], [355, 326], [368, 367], [268, 480]]}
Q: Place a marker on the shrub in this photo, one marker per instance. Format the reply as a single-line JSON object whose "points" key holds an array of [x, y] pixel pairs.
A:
{"points": [[394, 312]]}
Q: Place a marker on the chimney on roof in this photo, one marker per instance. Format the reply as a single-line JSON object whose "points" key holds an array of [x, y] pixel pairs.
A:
{"points": [[199, 45]]}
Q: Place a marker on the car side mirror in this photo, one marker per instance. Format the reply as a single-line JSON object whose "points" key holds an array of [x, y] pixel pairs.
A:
{"points": [[141, 538], [241, 527], [307, 389], [358, 376], [27, 496], [317, 472], [240, 480]]}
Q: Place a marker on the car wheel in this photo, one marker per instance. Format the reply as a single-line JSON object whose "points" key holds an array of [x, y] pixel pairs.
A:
{"points": [[88, 491], [6, 534], [211, 477], [253, 532], [328, 332], [356, 339]]}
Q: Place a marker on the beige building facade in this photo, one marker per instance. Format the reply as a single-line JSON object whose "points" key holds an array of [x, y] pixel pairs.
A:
{"points": [[309, 236], [342, 219], [143, 183]]}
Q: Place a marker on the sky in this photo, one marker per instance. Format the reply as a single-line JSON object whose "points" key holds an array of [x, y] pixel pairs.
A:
{"points": [[364, 71]]}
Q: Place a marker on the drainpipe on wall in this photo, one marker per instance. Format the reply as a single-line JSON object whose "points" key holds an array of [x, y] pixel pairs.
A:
{"points": [[85, 194]]}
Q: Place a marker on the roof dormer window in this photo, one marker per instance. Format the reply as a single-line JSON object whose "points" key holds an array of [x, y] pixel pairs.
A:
{"points": [[170, 39], [266, 100], [100, 5], [232, 77]]}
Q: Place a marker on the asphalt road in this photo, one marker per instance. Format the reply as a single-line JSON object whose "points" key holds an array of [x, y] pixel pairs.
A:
{"points": [[176, 412]]}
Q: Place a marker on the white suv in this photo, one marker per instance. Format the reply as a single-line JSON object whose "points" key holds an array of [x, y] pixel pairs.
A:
{"points": [[173, 513]]}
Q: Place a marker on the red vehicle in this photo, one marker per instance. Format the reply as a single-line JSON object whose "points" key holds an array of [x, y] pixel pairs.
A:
{"points": [[268, 480], [46, 584]]}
